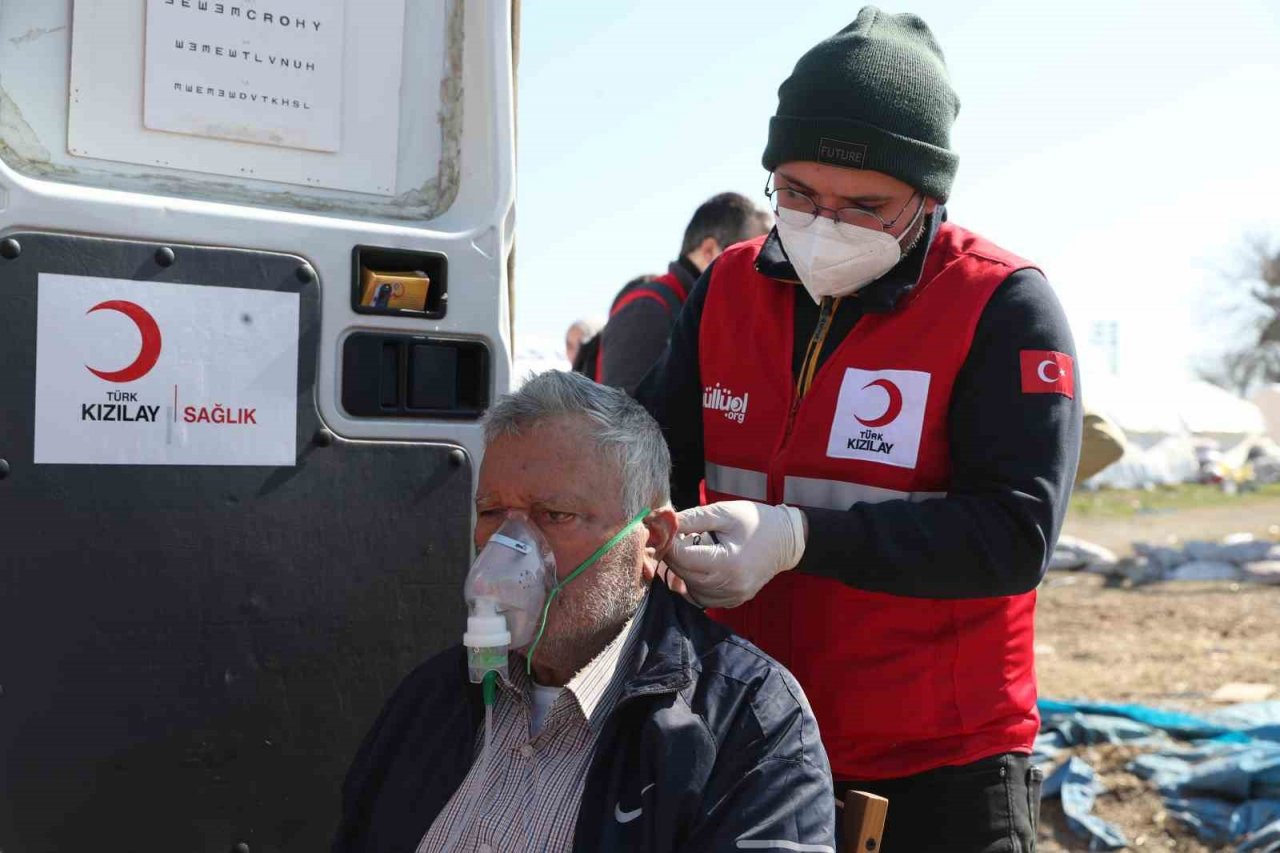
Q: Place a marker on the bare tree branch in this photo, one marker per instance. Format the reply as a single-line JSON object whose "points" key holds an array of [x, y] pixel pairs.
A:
{"points": [[1258, 359]]}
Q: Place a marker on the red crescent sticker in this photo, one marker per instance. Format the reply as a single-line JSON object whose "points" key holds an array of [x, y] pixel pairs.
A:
{"points": [[148, 355]]}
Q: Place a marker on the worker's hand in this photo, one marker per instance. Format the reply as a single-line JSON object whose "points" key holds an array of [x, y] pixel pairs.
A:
{"points": [[752, 542]]}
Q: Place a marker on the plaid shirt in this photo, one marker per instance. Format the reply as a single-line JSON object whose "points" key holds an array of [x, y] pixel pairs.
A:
{"points": [[529, 798]]}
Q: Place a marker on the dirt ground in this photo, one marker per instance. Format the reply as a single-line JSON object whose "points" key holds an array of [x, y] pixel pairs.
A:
{"points": [[1258, 517], [1170, 644]]}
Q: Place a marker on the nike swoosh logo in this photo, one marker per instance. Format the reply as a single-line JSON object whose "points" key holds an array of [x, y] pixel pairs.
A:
{"points": [[627, 817]]}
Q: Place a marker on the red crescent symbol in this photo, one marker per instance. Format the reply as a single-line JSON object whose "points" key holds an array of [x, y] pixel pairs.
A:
{"points": [[150, 331], [892, 411]]}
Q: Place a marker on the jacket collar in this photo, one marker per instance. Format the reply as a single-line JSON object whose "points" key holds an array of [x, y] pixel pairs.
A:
{"points": [[683, 270], [880, 296], [670, 635]]}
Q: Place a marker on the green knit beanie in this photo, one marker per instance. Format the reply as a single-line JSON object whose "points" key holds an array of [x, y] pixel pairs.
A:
{"points": [[876, 95]]}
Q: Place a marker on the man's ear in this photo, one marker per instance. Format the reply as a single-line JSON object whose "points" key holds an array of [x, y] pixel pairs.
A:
{"points": [[930, 205], [661, 526], [708, 250]]}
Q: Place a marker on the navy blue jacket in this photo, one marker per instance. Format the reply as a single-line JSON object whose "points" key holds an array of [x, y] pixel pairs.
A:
{"points": [[712, 740]]}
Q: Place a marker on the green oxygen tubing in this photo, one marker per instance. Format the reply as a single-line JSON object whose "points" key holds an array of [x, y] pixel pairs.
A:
{"points": [[586, 564]]}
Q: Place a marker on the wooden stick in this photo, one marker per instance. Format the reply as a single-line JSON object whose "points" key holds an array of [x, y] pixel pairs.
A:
{"points": [[864, 816]]}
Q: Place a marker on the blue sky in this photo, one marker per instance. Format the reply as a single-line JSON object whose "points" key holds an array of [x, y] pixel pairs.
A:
{"points": [[1126, 147]]}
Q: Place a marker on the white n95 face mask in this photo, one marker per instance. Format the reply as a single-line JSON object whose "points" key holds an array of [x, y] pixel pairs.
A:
{"points": [[837, 260]]}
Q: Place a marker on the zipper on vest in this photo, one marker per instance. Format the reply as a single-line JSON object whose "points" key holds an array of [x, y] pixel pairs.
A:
{"points": [[808, 368], [812, 353]]}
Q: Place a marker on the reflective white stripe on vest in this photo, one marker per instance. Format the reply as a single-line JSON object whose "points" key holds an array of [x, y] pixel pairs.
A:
{"points": [[837, 494], [740, 482]]}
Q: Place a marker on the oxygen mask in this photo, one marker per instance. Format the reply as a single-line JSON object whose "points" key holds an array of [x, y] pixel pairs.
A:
{"points": [[506, 591]]}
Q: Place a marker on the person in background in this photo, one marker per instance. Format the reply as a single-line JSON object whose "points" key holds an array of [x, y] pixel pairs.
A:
{"points": [[580, 331], [644, 311], [587, 360]]}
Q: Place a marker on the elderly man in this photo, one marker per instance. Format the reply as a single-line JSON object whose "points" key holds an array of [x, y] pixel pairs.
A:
{"points": [[643, 726]]}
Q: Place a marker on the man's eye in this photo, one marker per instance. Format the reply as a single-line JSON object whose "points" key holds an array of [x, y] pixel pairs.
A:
{"points": [[557, 517], [490, 512]]}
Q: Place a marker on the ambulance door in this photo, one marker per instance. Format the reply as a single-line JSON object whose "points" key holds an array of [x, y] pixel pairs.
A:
{"points": [[253, 303]]}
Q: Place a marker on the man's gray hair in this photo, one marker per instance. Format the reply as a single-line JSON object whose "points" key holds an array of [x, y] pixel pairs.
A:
{"points": [[622, 430]]}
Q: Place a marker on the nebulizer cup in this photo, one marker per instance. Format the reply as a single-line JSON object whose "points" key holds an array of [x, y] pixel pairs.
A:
{"points": [[487, 640]]}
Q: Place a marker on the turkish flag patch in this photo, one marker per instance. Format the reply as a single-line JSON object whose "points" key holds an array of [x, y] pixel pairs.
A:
{"points": [[1048, 372]]}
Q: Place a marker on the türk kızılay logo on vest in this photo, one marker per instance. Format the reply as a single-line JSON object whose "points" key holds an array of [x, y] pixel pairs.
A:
{"points": [[719, 399], [879, 416]]}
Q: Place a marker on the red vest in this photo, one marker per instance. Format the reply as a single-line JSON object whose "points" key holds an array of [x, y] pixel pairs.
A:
{"points": [[899, 685]]}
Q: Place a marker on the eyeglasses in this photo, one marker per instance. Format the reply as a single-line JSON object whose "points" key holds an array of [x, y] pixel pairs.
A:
{"points": [[800, 210]]}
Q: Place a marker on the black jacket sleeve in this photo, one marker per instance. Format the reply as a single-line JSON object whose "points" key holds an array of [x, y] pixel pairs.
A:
{"points": [[1013, 457], [772, 782], [672, 392], [632, 341]]}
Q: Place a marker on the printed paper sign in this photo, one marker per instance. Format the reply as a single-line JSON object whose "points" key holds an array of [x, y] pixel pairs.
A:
{"points": [[266, 71], [880, 416], [151, 373]]}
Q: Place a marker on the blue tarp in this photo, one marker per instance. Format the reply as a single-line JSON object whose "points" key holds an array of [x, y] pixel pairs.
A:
{"points": [[1225, 784], [1076, 783], [1255, 824], [1232, 771], [1062, 731], [1259, 720], [1175, 723]]}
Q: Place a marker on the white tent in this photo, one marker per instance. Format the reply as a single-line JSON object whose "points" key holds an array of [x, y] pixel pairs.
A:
{"points": [[1268, 400], [1164, 421], [1216, 414]]}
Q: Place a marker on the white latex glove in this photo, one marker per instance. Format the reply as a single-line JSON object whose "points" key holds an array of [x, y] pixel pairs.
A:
{"points": [[752, 543]]}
